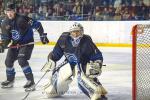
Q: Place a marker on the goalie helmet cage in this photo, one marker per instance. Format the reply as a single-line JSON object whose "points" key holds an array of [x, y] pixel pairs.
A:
{"points": [[141, 62]]}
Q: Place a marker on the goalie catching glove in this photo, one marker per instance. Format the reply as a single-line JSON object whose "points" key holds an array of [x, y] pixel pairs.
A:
{"points": [[50, 65], [93, 69]]}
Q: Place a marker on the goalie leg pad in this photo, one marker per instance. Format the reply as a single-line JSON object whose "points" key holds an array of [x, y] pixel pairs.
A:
{"points": [[92, 89], [53, 91], [59, 82]]}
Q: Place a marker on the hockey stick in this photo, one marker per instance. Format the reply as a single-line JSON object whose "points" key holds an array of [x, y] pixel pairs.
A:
{"points": [[60, 65], [17, 46], [56, 69]]}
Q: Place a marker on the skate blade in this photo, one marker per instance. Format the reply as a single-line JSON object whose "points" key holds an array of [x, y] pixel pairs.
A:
{"points": [[32, 88], [5, 87], [103, 98], [29, 89]]}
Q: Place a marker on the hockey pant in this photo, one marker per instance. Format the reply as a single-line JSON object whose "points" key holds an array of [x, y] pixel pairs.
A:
{"points": [[21, 54]]}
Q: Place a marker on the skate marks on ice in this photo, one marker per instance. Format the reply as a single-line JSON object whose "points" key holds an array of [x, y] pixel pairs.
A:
{"points": [[116, 77]]}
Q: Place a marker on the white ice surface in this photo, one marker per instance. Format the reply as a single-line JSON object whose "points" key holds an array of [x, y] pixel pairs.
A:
{"points": [[116, 76]]}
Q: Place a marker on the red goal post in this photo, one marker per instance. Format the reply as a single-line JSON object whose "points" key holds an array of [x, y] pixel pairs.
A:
{"points": [[141, 62]]}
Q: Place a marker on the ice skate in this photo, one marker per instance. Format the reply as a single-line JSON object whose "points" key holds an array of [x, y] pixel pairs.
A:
{"points": [[29, 86], [7, 84]]}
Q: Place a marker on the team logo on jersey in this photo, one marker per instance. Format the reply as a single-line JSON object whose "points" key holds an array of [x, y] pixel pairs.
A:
{"points": [[15, 35], [71, 58]]}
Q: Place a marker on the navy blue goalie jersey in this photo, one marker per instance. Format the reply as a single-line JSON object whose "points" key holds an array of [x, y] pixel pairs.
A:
{"points": [[85, 52]]}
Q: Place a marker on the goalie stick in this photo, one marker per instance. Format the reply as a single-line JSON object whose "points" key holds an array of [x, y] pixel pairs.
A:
{"points": [[56, 69]]}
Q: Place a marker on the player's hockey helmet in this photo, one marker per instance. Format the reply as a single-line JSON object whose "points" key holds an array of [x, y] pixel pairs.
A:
{"points": [[10, 6], [76, 27]]}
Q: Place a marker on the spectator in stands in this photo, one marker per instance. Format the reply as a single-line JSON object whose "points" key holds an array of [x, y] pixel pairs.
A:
{"points": [[117, 4], [77, 9], [117, 15], [81, 9], [126, 14], [111, 12], [98, 13], [105, 13]]}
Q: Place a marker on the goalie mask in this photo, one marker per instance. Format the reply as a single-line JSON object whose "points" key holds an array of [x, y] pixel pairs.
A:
{"points": [[76, 33]]}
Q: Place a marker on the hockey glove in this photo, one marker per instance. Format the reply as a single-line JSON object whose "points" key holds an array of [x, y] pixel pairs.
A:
{"points": [[93, 69], [44, 38], [2, 49]]}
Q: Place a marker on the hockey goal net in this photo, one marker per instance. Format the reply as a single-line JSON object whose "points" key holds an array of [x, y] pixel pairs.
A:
{"points": [[141, 62]]}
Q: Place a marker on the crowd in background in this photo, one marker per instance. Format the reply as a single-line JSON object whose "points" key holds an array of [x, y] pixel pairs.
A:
{"points": [[92, 10]]}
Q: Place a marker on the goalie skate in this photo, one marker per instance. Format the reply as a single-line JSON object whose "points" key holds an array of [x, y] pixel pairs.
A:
{"points": [[7, 84], [103, 97]]}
